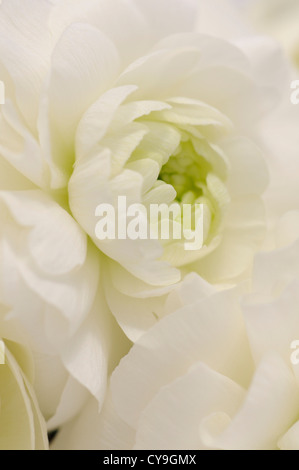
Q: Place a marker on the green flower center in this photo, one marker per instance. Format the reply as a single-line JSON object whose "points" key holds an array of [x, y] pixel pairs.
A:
{"points": [[187, 172]]}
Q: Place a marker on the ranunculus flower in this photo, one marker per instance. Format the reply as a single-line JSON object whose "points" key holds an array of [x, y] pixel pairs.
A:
{"points": [[135, 98], [160, 128], [95, 109], [22, 426], [219, 372]]}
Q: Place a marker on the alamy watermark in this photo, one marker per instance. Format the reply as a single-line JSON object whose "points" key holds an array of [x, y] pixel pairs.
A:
{"points": [[295, 94], [156, 222], [295, 354]]}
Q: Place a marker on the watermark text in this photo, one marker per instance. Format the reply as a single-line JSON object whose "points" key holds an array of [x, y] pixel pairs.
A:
{"points": [[156, 222]]}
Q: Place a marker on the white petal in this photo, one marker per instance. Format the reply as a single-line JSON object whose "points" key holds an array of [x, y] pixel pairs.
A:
{"points": [[50, 377], [221, 19], [25, 50], [210, 331], [40, 429], [290, 441], [160, 74], [283, 158], [94, 431], [66, 281], [131, 111], [121, 21], [275, 269], [159, 143], [149, 169], [190, 290], [86, 356], [268, 411], [96, 120], [20, 148], [273, 325], [169, 16], [171, 420], [135, 316], [269, 64], [84, 64], [131, 286], [72, 399], [17, 407], [240, 241]]}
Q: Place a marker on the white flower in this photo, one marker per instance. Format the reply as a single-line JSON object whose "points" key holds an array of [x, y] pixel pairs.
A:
{"points": [[106, 98], [113, 112], [167, 130], [219, 372]]}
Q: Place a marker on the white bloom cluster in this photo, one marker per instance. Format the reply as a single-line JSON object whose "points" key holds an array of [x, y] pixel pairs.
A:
{"points": [[135, 342]]}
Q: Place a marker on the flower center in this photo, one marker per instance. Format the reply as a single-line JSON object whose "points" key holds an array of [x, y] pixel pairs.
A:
{"points": [[196, 169], [186, 171]]}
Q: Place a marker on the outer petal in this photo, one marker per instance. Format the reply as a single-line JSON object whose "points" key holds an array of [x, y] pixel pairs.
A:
{"points": [[25, 50], [49, 290], [169, 16], [18, 405], [84, 63], [290, 441], [172, 419], [124, 21], [95, 349], [210, 331], [273, 325], [91, 431], [268, 411]]}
